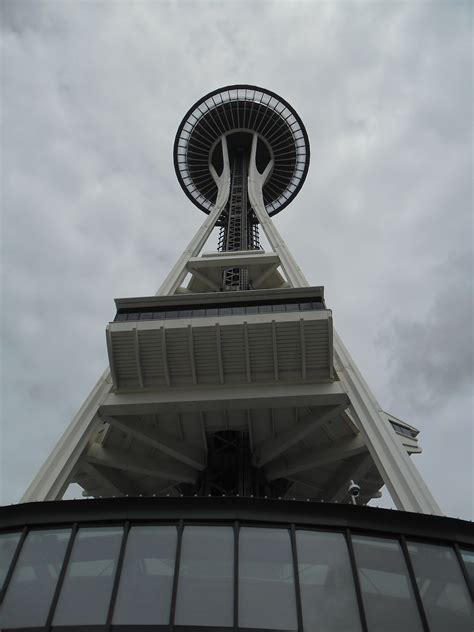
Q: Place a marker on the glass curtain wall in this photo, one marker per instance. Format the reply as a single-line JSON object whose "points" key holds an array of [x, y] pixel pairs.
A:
{"points": [[227, 576]]}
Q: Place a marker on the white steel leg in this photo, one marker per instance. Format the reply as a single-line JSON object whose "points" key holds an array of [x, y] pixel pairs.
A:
{"points": [[404, 482]]}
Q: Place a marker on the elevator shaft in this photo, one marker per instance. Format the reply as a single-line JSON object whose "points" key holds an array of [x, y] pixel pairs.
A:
{"points": [[240, 229]]}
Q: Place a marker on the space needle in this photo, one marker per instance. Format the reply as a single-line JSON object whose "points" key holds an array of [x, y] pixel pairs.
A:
{"points": [[229, 452]]}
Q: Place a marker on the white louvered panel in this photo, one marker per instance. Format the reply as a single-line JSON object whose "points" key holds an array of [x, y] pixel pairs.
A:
{"points": [[317, 348], [261, 351], [233, 353], [123, 354], [177, 351], [205, 354], [151, 357], [289, 348]]}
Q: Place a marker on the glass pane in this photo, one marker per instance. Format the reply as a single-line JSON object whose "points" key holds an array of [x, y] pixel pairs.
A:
{"points": [[212, 311], [468, 558], [158, 315], [264, 309], [238, 311], [225, 311], [34, 579], [146, 581], [251, 309], [292, 307], [199, 312], [8, 544], [305, 306], [328, 595], [120, 317], [206, 577], [134, 316], [85, 593], [386, 589], [266, 582], [443, 590]]}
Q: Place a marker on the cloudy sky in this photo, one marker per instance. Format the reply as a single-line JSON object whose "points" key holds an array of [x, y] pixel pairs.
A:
{"points": [[91, 96]]}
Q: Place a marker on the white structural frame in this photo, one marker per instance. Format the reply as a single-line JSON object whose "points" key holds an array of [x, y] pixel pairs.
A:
{"points": [[405, 484]]}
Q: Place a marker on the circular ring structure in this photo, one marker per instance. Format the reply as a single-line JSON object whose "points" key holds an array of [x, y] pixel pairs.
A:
{"points": [[239, 111]]}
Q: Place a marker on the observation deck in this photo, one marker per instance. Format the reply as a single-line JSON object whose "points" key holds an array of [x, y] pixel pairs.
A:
{"points": [[238, 112]]}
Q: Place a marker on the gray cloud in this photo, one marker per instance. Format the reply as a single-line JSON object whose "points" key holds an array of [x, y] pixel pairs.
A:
{"points": [[92, 94]]}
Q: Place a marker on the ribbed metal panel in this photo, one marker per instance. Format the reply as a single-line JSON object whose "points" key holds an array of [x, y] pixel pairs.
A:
{"points": [[157, 356]]}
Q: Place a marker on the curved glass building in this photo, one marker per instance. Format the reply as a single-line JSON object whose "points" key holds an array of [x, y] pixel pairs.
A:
{"points": [[228, 453]]}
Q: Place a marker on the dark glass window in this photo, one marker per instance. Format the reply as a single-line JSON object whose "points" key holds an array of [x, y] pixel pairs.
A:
{"points": [[444, 593], [34, 579], [328, 597], [206, 577], [146, 315], [317, 305], [85, 593], [170, 314], [199, 312], [278, 308], [225, 311], [264, 309], [251, 309], [212, 311], [185, 313], [146, 581], [305, 306], [133, 316], [158, 315], [292, 307], [468, 558], [266, 580], [121, 317], [8, 544], [386, 589], [238, 311]]}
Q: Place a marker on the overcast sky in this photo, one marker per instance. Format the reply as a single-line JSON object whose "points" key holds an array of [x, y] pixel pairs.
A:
{"points": [[91, 96]]}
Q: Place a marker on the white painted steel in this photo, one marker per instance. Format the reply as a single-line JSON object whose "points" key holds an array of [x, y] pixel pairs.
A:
{"points": [[386, 450], [53, 478], [405, 484]]}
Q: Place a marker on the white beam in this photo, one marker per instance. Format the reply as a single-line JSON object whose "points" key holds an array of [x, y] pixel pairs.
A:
{"points": [[275, 446], [256, 283], [179, 270], [204, 279], [114, 483], [161, 467], [184, 452], [310, 459], [404, 482], [55, 474], [228, 397]]}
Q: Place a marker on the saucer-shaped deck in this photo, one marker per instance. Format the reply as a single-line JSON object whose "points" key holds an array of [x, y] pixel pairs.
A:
{"points": [[238, 112]]}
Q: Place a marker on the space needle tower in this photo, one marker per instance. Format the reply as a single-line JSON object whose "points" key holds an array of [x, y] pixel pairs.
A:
{"points": [[229, 451]]}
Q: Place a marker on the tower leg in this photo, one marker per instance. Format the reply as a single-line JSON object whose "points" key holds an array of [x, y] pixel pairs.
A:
{"points": [[407, 488], [55, 474]]}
